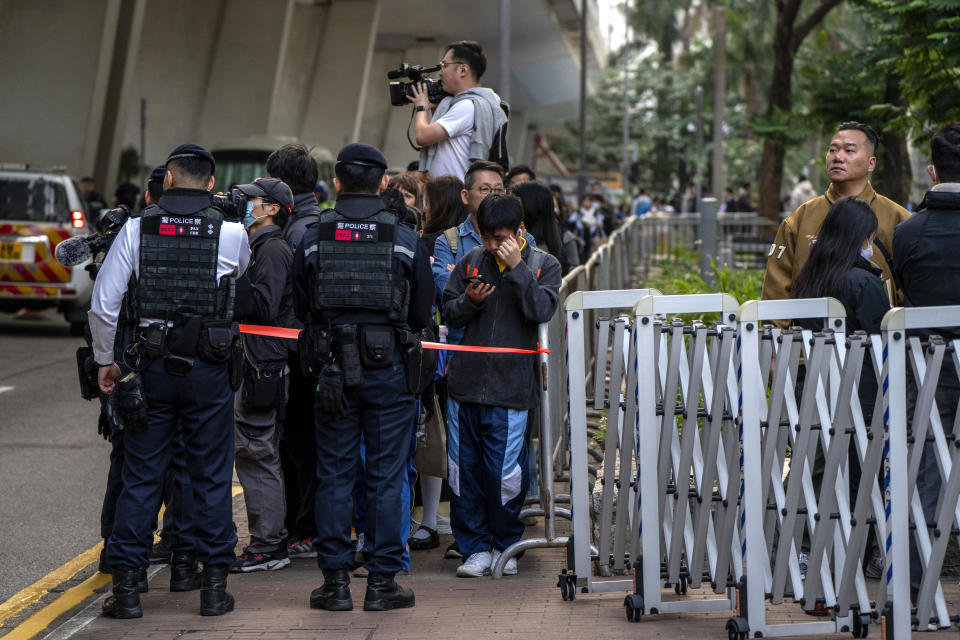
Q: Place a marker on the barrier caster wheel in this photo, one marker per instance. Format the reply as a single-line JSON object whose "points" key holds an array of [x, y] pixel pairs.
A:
{"points": [[737, 628], [861, 625], [681, 587], [568, 591], [633, 605]]}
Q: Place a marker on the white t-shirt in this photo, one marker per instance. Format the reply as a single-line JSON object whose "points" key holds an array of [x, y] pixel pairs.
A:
{"points": [[453, 154]]}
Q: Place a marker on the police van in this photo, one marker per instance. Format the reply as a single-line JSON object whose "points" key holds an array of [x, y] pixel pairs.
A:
{"points": [[38, 210], [243, 160]]}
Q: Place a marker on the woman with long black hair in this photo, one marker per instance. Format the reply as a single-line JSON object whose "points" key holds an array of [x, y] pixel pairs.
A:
{"points": [[839, 265], [540, 220]]}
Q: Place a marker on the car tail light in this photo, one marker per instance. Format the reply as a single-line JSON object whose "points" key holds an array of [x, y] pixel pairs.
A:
{"points": [[78, 221]]}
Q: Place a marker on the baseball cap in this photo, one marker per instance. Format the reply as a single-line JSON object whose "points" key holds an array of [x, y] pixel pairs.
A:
{"points": [[191, 150], [362, 154], [275, 190]]}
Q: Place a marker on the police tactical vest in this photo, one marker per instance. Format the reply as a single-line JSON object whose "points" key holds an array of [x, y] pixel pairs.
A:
{"points": [[355, 265], [178, 266]]}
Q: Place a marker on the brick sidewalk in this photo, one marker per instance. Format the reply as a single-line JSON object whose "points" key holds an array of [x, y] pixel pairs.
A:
{"points": [[275, 605]]}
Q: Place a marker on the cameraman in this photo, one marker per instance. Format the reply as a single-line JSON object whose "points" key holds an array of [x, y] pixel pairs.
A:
{"points": [[464, 124]]}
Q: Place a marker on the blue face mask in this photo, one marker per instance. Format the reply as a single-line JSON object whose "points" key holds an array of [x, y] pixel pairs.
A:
{"points": [[248, 219]]}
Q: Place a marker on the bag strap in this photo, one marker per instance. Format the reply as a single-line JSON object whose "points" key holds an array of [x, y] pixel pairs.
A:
{"points": [[453, 239]]}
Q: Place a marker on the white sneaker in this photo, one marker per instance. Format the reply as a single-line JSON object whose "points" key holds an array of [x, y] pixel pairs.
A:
{"points": [[443, 526], [477, 565], [509, 569]]}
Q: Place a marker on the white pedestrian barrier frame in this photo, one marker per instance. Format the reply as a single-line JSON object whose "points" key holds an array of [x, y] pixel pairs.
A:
{"points": [[725, 425]]}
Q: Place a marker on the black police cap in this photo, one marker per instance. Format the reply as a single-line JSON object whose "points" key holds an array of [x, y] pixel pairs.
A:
{"points": [[363, 154], [191, 150], [158, 174]]}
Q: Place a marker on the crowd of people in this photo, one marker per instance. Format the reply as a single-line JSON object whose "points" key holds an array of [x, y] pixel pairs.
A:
{"points": [[856, 245], [327, 432]]}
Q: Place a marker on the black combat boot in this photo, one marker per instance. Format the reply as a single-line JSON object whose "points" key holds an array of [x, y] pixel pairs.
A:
{"points": [[334, 595], [384, 594], [214, 599], [125, 602], [143, 585], [183, 571]]}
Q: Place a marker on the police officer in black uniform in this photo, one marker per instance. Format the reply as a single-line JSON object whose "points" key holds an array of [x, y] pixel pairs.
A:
{"points": [[184, 258], [361, 280]]}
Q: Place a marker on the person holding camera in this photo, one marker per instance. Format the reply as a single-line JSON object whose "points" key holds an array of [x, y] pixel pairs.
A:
{"points": [[467, 123], [361, 280], [180, 258], [264, 297]]}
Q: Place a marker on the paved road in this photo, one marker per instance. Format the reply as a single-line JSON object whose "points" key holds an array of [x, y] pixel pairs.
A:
{"points": [[52, 462]]}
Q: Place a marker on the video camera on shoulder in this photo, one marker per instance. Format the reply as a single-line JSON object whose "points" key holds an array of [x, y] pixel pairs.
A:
{"points": [[400, 91]]}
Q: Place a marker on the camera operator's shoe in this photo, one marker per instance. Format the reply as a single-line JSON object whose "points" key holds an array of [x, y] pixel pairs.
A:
{"points": [[334, 595], [266, 561], [214, 599], [125, 601], [384, 594], [183, 571]]}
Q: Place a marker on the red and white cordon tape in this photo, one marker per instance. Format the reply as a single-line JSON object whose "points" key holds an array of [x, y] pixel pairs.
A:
{"points": [[292, 334]]}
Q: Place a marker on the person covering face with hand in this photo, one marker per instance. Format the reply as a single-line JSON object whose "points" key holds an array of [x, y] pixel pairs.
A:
{"points": [[498, 293]]}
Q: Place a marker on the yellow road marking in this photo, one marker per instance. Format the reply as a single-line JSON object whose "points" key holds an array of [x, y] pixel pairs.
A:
{"points": [[68, 599], [25, 597]]}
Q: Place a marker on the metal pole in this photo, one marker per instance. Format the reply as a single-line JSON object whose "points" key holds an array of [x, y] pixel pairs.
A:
{"points": [[582, 169], [708, 238], [143, 141], [719, 97], [698, 174], [505, 50], [626, 91]]}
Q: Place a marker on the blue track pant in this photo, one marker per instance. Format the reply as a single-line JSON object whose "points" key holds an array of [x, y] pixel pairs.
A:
{"points": [[488, 475]]}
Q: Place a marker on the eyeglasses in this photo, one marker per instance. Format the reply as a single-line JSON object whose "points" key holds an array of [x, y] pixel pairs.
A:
{"points": [[486, 190], [444, 64]]}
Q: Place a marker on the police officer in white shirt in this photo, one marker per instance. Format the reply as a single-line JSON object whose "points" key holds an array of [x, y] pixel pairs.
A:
{"points": [[176, 264]]}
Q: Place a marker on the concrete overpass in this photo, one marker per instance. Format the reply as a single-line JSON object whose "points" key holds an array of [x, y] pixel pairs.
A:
{"points": [[74, 72]]}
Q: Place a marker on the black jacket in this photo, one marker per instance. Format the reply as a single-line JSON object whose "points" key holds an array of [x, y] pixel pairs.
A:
{"points": [[863, 298], [410, 261], [306, 211], [509, 317], [926, 252], [264, 294]]}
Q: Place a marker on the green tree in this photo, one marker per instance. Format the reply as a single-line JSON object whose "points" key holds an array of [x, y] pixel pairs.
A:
{"points": [[777, 129]]}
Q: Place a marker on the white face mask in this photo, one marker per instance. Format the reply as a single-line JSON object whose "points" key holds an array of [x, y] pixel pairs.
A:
{"points": [[867, 253]]}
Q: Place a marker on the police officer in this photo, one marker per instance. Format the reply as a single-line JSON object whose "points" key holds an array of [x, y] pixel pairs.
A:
{"points": [[360, 278], [183, 257]]}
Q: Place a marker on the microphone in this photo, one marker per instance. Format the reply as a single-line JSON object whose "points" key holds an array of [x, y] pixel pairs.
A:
{"points": [[73, 251], [397, 73]]}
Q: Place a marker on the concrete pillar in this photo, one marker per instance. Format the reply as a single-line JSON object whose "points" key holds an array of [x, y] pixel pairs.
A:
{"points": [[56, 60], [126, 49], [244, 70], [295, 77], [172, 73], [344, 66]]}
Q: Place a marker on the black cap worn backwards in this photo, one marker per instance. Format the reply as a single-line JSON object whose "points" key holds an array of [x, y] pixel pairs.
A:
{"points": [[158, 174], [270, 188], [362, 154], [191, 150]]}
